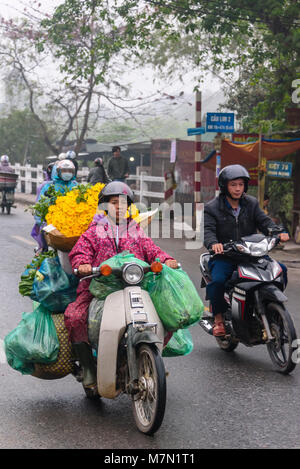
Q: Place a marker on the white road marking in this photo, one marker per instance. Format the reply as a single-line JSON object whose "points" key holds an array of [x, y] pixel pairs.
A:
{"points": [[24, 240]]}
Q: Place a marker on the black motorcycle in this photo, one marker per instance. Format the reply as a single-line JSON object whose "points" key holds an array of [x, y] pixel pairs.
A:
{"points": [[256, 311]]}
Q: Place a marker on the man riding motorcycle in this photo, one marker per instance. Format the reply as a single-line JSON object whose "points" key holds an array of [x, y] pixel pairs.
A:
{"points": [[230, 216]]}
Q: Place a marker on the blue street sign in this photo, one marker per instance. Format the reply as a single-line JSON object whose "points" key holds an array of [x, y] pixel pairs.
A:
{"points": [[220, 122], [279, 169], [196, 131]]}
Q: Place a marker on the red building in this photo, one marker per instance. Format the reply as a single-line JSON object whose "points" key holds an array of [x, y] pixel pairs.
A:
{"points": [[183, 168]]}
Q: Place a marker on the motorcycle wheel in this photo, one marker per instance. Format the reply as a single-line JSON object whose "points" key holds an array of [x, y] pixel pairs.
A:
{"points": [[282, 328], [228, 344], [91, 394], [8, 209], [150, 402]]}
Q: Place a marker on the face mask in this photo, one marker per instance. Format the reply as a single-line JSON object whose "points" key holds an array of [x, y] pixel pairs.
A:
{"points": [[66, 176]]}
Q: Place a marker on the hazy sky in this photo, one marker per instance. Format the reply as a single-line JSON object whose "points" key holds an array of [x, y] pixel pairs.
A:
{"points": [[15, 8]]}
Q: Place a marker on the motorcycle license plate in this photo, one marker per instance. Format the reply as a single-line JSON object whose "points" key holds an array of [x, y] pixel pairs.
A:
{"points": [[136, 300]]}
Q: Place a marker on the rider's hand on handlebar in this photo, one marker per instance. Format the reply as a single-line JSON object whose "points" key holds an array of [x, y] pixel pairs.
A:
{"points": [[172, 263], [284, 237], [85, 269], [218, 248]]}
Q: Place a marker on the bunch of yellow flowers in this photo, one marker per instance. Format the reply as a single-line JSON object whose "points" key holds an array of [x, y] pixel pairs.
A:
{"points": [[73, 212]]}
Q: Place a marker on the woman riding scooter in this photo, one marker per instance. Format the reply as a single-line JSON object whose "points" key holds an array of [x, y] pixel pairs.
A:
{"points": [[108, 234], [62, 178]]}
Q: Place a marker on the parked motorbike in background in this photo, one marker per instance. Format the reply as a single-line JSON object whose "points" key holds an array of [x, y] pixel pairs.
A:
{"points": [[256, 311]]}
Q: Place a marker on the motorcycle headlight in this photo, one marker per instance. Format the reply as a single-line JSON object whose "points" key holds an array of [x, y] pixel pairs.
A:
{"points": [[259, 249], [133, 274]]}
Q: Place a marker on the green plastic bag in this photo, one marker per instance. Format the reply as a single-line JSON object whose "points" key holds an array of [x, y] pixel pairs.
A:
{"points": [[175, 298], [27, 277], [102, 286], [53, 287], [181, 343], [94, 320], [34, 340]]}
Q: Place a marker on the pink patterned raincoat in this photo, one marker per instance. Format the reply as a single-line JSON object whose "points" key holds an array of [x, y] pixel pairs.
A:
{"points": [[101, 241]]}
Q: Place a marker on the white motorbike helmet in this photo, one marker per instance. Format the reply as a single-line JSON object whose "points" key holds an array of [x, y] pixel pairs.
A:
{"points": [[71, 155], [4, 159], [65, 170], [62, 156]]}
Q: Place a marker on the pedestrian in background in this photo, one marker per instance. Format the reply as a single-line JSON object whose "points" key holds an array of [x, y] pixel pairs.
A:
{"points": [[98, 173], [118, 168]]}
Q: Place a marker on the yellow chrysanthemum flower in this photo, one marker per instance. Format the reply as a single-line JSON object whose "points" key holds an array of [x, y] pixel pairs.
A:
{"points": [[73, 212]]}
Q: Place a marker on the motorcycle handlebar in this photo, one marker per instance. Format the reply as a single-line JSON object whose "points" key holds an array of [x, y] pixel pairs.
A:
{"points": [[96, 270], [227, 247]]}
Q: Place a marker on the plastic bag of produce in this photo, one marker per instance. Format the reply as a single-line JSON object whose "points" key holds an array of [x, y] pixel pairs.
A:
{"points": [[102, 286], [27, 277], [94, 321], [34, 340], [26, 282], [53, 287], [175, 298], [181, 343], [64, 365]]}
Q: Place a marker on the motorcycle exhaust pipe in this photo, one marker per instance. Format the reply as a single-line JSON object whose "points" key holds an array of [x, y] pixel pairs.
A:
{"points": [[207, 326]]}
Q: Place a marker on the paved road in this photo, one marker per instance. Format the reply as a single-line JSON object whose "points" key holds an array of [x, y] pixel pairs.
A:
{"points": [[215, 400]]}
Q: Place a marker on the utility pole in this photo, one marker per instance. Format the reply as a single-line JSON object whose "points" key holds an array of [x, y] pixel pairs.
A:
{"points": [[262, 165], [198, 205], [218, 146]]}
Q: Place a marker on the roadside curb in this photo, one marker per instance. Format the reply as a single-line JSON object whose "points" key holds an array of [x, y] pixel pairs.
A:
{"points": [[25, 199]]}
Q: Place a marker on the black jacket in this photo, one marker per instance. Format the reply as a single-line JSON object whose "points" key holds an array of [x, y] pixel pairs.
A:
{"points": [[221, 226], [117, 167], [97, 174]]}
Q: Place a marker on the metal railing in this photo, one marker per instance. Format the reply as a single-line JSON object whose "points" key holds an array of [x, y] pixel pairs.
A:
{"points": [[31, 177]]}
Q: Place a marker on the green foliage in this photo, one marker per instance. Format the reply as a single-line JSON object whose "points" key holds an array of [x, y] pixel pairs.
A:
{"points": [[281, 201], [40, 208], [88, 34], [27, 278], [259, 37], [20, 137]]}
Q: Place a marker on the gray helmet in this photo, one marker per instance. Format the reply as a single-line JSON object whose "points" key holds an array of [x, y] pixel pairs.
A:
{"points": [[231, 172], [115, 188], [98, 162]]}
